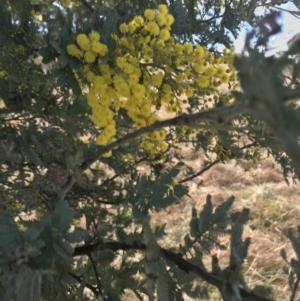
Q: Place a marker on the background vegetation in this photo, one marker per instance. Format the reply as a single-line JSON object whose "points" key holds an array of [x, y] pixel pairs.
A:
{"points": [[111, 114]]}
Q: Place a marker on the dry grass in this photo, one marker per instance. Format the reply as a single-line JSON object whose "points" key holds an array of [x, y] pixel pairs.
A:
{"points": [[274, 208]]}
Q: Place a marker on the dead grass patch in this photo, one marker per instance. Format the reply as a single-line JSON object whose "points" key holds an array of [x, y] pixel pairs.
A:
{"points": [[274, 205]]}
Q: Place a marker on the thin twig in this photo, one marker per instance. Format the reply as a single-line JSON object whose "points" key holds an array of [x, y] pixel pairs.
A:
{"points": [[66, 188], [211, 165], [96, 274], [200, 172], [90, 287], [88, 6]]}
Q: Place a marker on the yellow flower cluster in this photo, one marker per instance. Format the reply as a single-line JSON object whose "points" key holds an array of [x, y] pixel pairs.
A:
{"points": [[146, 72], [222, 154], [67, 3], [89, 47], [2, 74]]}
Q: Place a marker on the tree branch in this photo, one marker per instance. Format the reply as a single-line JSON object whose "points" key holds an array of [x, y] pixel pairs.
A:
{"points": [[211, 165], [216, 115], [90, 287], [96, 274], [200, 172], [173, 257], [88, 6]]}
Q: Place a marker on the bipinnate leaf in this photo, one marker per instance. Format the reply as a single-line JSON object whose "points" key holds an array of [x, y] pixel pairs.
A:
{"points": [[77, 235], [10, 236], [188, 242], [205, 216], [63, 216], [295, 266], [295, 243], [32, 233], [63, 60], [283, 254], [194, 231], [222, 210], [63, 252]]}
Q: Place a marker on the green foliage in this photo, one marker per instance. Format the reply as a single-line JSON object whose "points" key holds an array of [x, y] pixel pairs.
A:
{"points": [[51, 168], [28, 256], [206, 228], [150, 194]]}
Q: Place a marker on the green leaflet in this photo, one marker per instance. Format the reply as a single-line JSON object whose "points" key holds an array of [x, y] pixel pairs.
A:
{"points": [[63, 216], [10, 236], [205, 216], [220, 213]]}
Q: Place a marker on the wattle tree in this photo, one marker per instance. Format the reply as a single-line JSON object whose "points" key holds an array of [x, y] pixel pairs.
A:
{"points": [[89, 92]]}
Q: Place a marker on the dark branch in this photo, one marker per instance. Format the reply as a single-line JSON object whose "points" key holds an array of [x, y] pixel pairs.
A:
{"points": [[212, 164], [88, 6], [214, 115], [90, 287], [200, 172], [96, 273], [175, 258]]}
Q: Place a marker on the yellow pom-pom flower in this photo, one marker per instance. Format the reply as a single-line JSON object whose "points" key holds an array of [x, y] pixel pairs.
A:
{"points": [[90, 57], [83, 42], [203, 82], [128, 68], [210, 71], [157, 79], [161, 19], [169, 20], [188, 48], [94, 36], [73, 50], [102, 139], [123, 28], [2, 74], [65, 3], [225, 78], [160, 43], [148, 52], [123, 90], [199, 67], [103, 50], [164, 34], [163, 145], [133, 79], [149, 14], [104, 69], [220, 71], [153, 28], [199, 53], [138, 90], [132, 26], [138, 20], [96, 46], [189, 92], [107, 155], [163, 9]]}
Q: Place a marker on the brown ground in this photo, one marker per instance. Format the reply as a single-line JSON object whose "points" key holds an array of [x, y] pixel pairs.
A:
{"points": [[274, 206]]}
